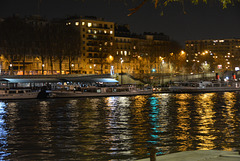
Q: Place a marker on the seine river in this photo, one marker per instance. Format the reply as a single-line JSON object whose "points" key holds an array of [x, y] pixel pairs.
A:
{"points": [[118, 128]]}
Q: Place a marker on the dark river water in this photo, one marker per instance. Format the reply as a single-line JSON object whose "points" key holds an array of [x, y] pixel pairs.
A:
{"points": [[118, 128]]}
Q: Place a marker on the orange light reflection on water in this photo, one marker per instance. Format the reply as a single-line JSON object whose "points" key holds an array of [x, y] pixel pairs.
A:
{"points": [[183, 122], [229, 118], [206, 114]]}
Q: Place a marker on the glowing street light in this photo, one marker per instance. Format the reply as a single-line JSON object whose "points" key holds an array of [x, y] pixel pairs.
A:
{"points": [[121, 60]]}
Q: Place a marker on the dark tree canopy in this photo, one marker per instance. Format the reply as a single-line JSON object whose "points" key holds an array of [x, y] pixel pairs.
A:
{"points": [[163, 3]]}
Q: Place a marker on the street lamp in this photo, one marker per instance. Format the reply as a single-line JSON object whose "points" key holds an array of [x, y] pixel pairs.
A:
{"points": [[43, 69], [72, 65], [11, 68], [121, 69], [161, 62]]}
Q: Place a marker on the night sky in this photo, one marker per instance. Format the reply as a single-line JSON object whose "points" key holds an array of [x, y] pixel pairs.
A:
{"points": [[200, 21]]}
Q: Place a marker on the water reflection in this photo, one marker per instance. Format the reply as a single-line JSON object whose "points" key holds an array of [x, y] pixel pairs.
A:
{"points": [[3, 132], [205, 113], [183, 122], [118, 128]]}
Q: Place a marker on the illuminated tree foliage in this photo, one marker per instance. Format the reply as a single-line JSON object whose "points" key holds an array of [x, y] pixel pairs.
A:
{"points": [[164, 3]]}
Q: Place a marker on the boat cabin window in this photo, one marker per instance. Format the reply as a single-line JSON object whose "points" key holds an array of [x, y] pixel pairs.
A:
{"points": [[20, 91]]}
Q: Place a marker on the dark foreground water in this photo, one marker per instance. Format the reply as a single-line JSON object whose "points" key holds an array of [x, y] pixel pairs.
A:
{"points": [[118, 128]]}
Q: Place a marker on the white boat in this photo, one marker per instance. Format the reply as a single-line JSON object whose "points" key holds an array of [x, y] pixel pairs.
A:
{"points": [[100, 92], [7, 94], [204, 86]]}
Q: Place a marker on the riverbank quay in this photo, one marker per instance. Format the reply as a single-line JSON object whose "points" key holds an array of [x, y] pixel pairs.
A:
{"points": [[199, 155]]}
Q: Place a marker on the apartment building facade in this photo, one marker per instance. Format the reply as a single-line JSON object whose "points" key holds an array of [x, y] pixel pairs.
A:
{"points": [[105, 47], [224, 54]]}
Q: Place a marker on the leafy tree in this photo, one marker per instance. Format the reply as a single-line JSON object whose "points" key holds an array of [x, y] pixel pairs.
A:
{"points": [[164, 3], [14, 41]]}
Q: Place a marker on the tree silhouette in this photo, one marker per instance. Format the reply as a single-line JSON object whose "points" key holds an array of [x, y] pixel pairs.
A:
{"points": [[163, 3]]}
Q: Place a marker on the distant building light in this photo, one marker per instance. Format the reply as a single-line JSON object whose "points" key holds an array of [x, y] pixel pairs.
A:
{"points": [[68, 23], [76, 23], [83, 23], [237, 68], [89, 24]]}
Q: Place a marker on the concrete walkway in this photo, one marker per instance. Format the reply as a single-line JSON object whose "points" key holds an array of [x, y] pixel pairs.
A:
{"points": [[199, 155]]}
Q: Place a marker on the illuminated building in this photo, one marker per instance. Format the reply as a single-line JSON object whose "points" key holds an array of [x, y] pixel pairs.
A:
{"points": [[104, 47], [226, 52], [97, 38]]}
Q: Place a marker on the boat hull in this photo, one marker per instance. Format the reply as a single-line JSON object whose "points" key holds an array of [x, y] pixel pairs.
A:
{"points": [[202, 90], [16, 96], [69, 94]]}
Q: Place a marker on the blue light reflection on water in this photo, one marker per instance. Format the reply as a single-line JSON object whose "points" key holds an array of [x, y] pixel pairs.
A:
{"points": [[118, 128], [3, 132]]}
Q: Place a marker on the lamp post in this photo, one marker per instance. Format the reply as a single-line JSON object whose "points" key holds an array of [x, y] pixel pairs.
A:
{"points": [[161, 60], [43, 69], [162, 71], [121, 69], [72, 68], [11, 68]]}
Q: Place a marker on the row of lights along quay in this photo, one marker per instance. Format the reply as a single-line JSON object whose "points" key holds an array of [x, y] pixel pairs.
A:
{"points": [[91, 45]]}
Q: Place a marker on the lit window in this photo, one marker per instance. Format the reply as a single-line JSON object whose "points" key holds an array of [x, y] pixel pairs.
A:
{"points": [[105, 43], [89, 31], [125, 53], [76, 23], [111, 43], [83, 23], [121, 52], [105, 31], [111, 32], [117, 52], [89, 24], [95, 31], [90, 67]]}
